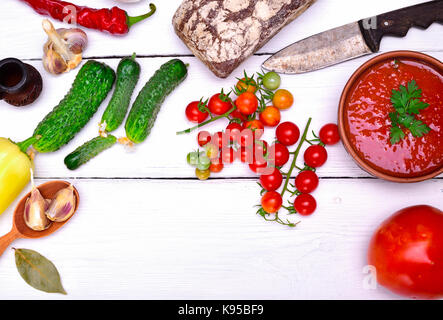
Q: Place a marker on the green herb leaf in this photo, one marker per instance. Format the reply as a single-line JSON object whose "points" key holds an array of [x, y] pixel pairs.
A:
{"points": [[407, 103], [396, 134], [38, 271]]}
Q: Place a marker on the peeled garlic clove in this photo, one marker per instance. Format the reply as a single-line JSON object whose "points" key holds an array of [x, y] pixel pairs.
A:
{"points": [[35, 207], [63, 205], [76, 39]]}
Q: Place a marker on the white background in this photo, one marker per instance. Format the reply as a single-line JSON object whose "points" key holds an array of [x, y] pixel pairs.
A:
{"points": [[146, 228]]}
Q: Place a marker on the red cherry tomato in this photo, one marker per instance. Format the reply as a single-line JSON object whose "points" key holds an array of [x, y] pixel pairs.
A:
{"points": [[271, 202], [305, 204], [219, 104], [236, 114], [270, 116], [219, 140], [407, 252], [278, 155], [252, 130], [329, 134], [287, 133], [228, 155], [306, 181], [260, 148], [194, 114], [216, 165], [259, 166], [248, 85], [273, 181], [247, 103], [315, 156], [203, 138], [233, 130], [246, 154]]}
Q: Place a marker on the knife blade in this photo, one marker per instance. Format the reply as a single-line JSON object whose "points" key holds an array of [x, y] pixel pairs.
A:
{"points": [[352, 40]]}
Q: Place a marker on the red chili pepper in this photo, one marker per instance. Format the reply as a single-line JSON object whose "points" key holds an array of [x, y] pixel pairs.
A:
{"points": [[114, 20]]}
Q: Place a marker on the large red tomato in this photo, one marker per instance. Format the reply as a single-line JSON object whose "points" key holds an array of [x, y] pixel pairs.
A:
{"points": [[407, 252]]}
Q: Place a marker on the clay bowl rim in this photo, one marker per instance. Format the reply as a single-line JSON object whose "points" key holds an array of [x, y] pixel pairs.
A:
{"points": [[341, 126], [32, 234]]}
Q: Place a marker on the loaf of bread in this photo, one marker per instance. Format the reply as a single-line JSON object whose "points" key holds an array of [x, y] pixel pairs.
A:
{"points": [[223, 33]]}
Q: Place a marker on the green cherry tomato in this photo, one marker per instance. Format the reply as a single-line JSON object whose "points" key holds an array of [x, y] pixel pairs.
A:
{"points": [[203, 162], [192, 158], [271, 80]]}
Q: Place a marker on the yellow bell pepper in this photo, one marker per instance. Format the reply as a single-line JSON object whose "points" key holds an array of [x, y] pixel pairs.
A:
{"points": [[15, 171]]}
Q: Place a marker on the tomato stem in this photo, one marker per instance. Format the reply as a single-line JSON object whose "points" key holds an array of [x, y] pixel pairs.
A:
{"points": [[224, 115], [296, 153]]}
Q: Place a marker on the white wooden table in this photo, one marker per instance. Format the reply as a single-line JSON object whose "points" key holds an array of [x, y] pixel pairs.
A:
{"points": [[146, 228]]}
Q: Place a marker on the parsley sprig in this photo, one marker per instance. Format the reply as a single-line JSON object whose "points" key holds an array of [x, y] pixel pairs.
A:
{"points": [[407, 104]]}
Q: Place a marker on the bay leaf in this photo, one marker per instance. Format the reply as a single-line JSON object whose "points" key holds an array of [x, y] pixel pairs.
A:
{"points": [[38, 271]]}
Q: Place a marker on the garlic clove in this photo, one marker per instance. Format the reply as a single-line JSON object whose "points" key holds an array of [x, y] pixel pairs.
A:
{"points": [[62, 207], [63, 50], [34, 215], [53, 62], [75, 38]]}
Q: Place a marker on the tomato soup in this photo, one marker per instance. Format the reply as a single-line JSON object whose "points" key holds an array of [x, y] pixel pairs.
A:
{"points": [[368, 124]]}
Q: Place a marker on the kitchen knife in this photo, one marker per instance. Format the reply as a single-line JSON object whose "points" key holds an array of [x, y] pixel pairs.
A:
{"points": [[352, 40]]}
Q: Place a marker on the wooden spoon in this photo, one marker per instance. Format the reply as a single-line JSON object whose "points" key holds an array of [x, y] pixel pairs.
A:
{"points": [[19, 227]]}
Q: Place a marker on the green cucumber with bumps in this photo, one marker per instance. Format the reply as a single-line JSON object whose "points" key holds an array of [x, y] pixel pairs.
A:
{"points": [[144, 111], [91, 86], [89, 150], [128, 73]]}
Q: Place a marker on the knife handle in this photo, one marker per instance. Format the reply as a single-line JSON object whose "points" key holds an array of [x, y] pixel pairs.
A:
{"points": [[397, 23]]}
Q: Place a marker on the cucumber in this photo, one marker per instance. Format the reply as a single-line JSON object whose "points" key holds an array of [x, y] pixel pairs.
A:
{"points": [[144, 111], [90, 88], [128, 73], [89, 150]]}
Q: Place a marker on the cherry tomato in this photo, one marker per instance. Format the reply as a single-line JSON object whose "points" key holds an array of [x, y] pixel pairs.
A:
{"points": [[228, 155], [252, 130], [236, 114], [216, 165], [246, 154], [306, 181], [194, 114], [248, 85], [407, 252], [260, 148], [271, 80], [219, 104], [305, 204], [218, 139], [211, 150], [287, 133], [247, 103], [273, 181], [271, 202], [259, 166], [329, 134], [283, 99], [203, 138], [202, 174], [278, 154], [315, 156], [270, 116], [233, 130]]}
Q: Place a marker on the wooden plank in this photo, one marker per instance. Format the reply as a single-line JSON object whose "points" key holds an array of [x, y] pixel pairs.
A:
{"points": [[163, 154], [202, 240], [156, 36]]}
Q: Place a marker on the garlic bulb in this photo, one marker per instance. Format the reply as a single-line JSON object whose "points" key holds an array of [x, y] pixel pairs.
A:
{"points": [[35, 207], [63, 50], [62, 207]]}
